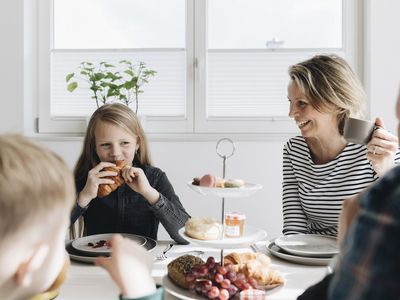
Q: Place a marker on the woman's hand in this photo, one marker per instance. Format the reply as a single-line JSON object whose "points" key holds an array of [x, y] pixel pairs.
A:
{"points": [[382, 149], [129, 267], [95, 177], [137, 181]]}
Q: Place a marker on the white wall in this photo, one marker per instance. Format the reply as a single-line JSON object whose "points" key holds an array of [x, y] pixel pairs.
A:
{"points": [[12, 60], [258, 162], [382, 58], [255, 161]]}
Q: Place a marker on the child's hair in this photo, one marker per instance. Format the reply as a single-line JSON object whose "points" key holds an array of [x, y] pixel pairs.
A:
{"points": [[330, 85], [121, 116], [35, 184]]}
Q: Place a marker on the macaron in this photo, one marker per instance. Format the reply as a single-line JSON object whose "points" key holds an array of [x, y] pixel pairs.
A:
{"points": [[208, 180]]}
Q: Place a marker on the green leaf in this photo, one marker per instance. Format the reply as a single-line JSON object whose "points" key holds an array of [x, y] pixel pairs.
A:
{"points": [[99, 76], [72, 86], [69, 76], [130, 84], [94, 88], [127, 62], [129, 72]]}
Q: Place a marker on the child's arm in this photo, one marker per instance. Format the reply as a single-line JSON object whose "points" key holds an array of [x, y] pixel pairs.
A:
{"points": [[168, 209], [137, 180], [129, 267], [161, 197], [95, 177]]}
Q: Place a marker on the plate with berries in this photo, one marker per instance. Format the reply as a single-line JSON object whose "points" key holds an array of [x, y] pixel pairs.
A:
{"points": [[213, 281], [98, 243]]}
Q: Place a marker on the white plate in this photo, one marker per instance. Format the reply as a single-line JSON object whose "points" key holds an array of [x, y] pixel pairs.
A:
{"points": [[246, 190], [312, 261], [81, 244], [181, 293], [89, 258], [310, 245], [250, 236]]}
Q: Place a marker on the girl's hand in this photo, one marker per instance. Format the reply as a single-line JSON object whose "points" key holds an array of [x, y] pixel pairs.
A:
{"points": [[95, 177], [129, 267], [137, 181], [382, 149]]}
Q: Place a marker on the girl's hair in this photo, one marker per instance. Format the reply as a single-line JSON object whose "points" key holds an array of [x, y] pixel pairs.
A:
{"points": [[330, 85], [119, 115]]}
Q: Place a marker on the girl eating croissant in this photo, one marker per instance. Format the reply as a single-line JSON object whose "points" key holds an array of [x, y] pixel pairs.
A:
{"points": [[118, 190]]}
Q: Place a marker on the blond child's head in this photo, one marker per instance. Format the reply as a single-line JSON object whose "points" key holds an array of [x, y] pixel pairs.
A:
{"points": [[37, 194], [118, 115]]}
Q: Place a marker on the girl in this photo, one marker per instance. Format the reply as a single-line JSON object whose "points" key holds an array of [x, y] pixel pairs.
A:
{"points": [[144, 200]]}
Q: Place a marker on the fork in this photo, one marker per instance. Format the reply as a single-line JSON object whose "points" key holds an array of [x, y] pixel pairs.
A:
{"points": [[162, 255], [255, 248]]}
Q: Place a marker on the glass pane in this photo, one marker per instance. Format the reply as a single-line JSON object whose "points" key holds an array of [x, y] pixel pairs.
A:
{"points": [[106, 24], [260, 24]]}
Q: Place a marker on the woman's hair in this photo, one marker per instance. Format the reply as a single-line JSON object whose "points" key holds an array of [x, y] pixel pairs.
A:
{"points": [[330, 85], [121, 116]]}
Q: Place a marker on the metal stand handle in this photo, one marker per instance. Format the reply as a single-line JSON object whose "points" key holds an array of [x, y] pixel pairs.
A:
{"points": [[223, 151]]}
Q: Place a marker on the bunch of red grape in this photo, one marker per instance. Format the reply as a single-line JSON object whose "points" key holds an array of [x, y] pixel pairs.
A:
{"points": [[218, 282]]}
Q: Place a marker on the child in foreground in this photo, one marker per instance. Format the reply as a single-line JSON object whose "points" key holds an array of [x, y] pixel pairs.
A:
{"points": [[37, 194]]}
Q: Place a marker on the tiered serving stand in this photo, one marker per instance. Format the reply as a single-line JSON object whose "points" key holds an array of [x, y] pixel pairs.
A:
{"points": [[225, 148]]}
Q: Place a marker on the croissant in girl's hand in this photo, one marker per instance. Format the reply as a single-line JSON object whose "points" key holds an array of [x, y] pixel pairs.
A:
{"points": [[106, 189]]}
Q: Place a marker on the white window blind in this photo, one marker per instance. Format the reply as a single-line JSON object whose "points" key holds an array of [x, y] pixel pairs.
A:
{"points": [[250, 83], [221, 64], [164, 95]]}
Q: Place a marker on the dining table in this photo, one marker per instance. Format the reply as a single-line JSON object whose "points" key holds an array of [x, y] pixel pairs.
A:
{"points": [[87, 281]]}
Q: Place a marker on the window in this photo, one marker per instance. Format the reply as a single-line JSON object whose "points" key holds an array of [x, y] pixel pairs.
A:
{"points": [[221, 64]]}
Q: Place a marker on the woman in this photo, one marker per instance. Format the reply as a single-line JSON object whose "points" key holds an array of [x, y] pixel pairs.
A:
{"points": [[320, 168], [144, 200]]}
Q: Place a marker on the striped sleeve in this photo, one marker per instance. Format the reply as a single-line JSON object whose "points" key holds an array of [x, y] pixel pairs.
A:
{"points": [[294, 218]]}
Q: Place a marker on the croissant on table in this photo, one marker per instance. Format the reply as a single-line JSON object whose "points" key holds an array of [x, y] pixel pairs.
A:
{"points": [[255, 265], [106, 189]]}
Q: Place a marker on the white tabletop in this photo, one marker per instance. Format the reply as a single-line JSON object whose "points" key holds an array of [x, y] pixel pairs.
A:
{"points": [[87, 281]]}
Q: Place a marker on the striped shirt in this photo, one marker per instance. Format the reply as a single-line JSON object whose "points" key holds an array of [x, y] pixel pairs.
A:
{"points": [[313, 193]]}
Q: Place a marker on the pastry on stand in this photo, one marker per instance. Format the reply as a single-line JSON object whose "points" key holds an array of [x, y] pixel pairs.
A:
{"points": [[235, 188]]}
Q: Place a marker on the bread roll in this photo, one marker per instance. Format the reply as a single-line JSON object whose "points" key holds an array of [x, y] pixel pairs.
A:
{"points": [[179, 267], [106, 189], [203, 228]]}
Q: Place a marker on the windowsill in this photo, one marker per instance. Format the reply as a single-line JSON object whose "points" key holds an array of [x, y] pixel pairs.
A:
{"points": [[179, 137]]}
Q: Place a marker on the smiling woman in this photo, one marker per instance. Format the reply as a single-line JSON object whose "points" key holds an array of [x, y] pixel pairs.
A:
{"points": [[320, 168]]}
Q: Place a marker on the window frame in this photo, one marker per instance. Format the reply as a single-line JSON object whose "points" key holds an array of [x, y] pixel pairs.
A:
{"points": [[268, 125], [77, 125], [196, 120]]}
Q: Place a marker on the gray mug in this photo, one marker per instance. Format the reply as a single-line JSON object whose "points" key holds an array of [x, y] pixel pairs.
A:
{"points": [[358, 131]]}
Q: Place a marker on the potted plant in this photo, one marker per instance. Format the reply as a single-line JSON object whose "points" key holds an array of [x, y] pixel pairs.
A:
{"points": [[122, 83]]}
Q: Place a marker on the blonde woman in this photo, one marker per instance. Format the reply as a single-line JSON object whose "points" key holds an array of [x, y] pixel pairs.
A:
{"points": [[320, 168], [146, 199]]}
